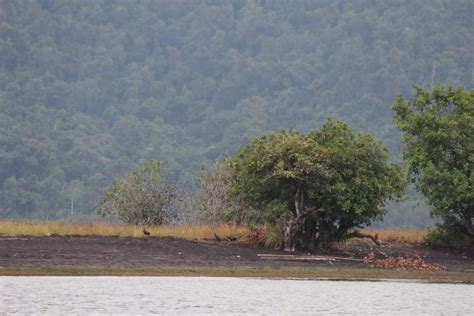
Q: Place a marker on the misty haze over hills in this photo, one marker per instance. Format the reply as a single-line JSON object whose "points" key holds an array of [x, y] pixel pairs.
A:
{"points": [[89, 89]]}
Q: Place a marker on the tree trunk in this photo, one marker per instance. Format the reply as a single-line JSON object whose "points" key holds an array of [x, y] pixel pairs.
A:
{"points": [[468, 224], [300, 234], [300, 231], [289, 235]]}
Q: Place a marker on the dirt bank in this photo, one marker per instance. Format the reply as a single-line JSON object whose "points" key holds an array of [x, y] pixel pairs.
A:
{"points": [[169, 251]]}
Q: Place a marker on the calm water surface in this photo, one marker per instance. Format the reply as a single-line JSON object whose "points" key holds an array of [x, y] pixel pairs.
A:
{"points": [[192, 295]]}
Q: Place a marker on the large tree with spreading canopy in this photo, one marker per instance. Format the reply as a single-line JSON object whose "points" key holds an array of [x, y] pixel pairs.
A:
{"points": [[318, 186]]}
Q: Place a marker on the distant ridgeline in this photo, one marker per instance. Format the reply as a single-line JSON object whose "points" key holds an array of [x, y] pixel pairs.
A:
{"points": [[89, 89]]}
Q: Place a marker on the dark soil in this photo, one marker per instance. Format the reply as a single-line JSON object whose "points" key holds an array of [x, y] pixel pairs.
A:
{"points": [[169, 251]]}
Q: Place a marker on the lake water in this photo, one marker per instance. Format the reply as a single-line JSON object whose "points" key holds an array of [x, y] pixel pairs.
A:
{"points": [[194, 295]]}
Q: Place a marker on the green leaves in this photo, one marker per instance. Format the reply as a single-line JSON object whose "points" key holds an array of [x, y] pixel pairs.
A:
{"points": [[438, 128], [140, 197], [332, 175], [109, 83]]}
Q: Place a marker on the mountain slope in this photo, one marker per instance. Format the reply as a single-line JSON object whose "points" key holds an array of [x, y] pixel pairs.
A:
{"points": [[88, 89]]}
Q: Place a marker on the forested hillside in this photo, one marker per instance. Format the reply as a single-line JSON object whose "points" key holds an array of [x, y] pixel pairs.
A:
{"points": [[89, 89]]}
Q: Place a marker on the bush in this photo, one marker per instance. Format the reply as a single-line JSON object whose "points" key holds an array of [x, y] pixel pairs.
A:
{"points": [[141, 197], [447, 236], [215, 203], [266, 236]]}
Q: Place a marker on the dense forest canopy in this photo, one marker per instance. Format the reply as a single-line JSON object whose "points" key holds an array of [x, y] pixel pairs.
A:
{"points": [[89, 89]]}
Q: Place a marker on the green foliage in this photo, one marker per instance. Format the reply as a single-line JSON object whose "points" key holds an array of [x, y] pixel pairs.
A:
{"points": [[319, 185], [438, 127], [447, 236], [140, 197], [90, 88]]}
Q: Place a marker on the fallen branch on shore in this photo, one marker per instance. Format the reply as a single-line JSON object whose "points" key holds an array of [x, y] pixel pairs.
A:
{"points": [[304, 258], [358, 234], [226, 238]]}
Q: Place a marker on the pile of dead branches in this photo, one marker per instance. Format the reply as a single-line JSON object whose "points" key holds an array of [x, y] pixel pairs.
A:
{"points": [[414, 262]]}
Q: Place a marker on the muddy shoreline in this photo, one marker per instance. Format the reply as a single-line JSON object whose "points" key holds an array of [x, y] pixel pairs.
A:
{"points": [[170, 252]]}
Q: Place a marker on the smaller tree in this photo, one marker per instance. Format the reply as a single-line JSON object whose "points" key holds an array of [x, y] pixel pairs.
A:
{"points": [[214, 201], [438, 129], [141, 197]]}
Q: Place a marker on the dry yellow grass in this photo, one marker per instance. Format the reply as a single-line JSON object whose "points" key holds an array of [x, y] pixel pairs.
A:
{"points": [[61, 228], [409, 236]]}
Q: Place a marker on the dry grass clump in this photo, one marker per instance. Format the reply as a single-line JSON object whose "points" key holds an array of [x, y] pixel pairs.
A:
{"points": [[61, 228], [201, 231], [265, 236], [392, 235]]}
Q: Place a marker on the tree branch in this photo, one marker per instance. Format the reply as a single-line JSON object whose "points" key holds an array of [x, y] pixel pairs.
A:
{"points": [[358, 234]]}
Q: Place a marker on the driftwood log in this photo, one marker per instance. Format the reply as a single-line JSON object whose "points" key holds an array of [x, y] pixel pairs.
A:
{"points": [[304, 258]]}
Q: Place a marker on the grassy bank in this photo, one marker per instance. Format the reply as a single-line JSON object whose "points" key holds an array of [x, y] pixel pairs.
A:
{"points": [[63, 228], [266, 272]]}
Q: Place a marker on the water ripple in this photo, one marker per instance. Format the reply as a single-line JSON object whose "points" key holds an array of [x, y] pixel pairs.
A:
{"points": [[203, 295]]}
